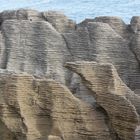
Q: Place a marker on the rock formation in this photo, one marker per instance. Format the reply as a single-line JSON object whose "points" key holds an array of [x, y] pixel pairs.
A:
{"points": [[112, 95], [33, 108], [65, 81]]}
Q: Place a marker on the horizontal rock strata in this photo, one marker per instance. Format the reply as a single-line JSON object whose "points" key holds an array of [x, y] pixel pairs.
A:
{"points": [[120, 103], [33, 109], [65, 81]]}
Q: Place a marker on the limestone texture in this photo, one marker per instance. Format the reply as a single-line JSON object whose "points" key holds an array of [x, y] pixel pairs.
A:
{"points": [[112, 95], [60, 80]]}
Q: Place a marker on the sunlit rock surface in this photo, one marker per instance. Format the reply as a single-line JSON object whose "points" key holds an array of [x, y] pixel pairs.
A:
{"points": [[120, 103], [65, 81]]}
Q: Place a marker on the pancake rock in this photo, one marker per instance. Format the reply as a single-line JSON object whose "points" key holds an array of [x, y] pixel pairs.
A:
{"points": [[120, 103], [46, 94], [33, 108]]}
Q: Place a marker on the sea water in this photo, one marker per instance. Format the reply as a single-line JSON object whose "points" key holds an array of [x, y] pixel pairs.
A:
{"points": [[78, 10]]}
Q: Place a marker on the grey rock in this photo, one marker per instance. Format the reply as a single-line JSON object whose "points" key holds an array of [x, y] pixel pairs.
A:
{"points": [[120, 103], [34, 47], [39, 44], [21, 14], [39, 109], [110, 47], [135, 23], [117, 24], [59, 21]]}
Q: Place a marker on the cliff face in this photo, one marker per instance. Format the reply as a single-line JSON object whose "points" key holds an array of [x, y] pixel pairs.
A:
{"points": [[65, 81]]}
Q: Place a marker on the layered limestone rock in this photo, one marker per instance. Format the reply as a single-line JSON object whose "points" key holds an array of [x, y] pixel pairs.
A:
{"points": [[58, 40], [40, 109], [108, 40], [59, 21], [22, 14], [34, 47], [135, 24], [104, 106], [110, 47], [120, 103], [116, 23]]}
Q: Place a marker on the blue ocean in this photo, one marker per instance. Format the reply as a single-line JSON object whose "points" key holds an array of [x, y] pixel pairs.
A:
{"points": [[78, 10]]}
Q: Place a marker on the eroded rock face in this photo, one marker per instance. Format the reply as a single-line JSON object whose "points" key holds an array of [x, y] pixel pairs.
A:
{"points": [[112, 48], [42, 45], [91, 100], [33, 109], [59, 21], [120, 103], [21, 14], [135, 23], [34, 47], [117, 24]]}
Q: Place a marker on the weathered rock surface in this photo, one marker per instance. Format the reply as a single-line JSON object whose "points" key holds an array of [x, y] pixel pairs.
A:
{"points": [[34, 47], [59, 21], [120, 103], [21, 14], [41, 99], [33, 109], [135, 23], [116, 23]]}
